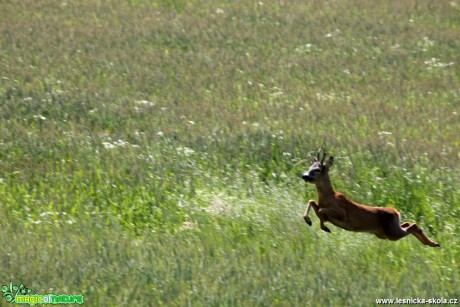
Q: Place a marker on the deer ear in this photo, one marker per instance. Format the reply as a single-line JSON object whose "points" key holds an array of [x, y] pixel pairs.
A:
{"points": [[330, 161]]}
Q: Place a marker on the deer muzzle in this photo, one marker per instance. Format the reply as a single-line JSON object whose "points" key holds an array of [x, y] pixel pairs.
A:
{"points": [[307, 177]]}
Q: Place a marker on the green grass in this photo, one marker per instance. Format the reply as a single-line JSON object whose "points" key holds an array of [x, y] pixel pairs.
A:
{"points": [[150, 151]]}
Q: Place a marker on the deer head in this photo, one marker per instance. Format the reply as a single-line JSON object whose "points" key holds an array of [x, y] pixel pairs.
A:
{"points": [[318, 169]]}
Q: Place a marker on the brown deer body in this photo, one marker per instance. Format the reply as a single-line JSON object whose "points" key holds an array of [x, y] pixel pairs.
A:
{"points": [[337, 209]]}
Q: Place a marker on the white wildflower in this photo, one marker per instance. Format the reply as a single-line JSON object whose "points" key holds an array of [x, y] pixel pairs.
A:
{"points": [[188, 226], [43, 214], [108, 145], [121, 143], [390, 144], [144, 103], [307, 48], [218, 206], [425, 43], [41, 117], [276, 91], [436, 63], [185, 151]]}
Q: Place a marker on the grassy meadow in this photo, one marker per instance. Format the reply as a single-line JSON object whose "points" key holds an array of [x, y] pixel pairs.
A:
{"points": [[151, 151]]}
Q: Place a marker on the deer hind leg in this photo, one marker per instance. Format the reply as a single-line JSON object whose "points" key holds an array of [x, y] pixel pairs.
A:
{"points": [[418, 233], [395, 232]]}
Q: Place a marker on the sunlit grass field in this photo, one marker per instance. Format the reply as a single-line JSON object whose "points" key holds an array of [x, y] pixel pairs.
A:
{"points": [[151, 151]]}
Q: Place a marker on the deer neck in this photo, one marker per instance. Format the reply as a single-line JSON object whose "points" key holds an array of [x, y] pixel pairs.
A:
{"points": [[324, 187]]}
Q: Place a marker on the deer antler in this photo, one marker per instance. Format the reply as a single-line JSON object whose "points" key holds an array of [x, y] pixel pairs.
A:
{"points": [[324, 157], [319, 155]]}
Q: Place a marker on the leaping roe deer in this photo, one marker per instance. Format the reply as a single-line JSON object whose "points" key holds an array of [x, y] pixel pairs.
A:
{"points": [[337, 209]]}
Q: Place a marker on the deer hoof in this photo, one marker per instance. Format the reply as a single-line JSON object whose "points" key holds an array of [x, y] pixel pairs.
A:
{"points": [[307, 220], [326, 229]]}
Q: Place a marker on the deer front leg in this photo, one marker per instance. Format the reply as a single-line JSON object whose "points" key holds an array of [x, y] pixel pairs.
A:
{"points": [[321, 213], [311, 203], [326, 214]]}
